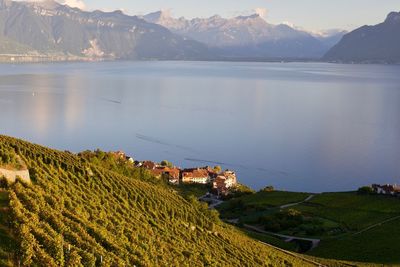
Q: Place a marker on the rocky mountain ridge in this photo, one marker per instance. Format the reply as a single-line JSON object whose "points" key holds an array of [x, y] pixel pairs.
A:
{"points": [[248, 36], [370, 44], [49, 28]]}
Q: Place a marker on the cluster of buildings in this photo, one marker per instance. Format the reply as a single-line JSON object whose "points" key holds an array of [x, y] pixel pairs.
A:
{"points": [[221, 182], [387, 189]]}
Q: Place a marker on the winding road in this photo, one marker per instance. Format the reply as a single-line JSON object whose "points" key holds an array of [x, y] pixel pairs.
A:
{"points": [[315, 242], [297, 203], [376, 225], [214, 201]]}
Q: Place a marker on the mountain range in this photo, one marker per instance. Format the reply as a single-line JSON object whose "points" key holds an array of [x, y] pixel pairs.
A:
{"points": [[370, 44], [37, 28], [249, 36], [49, 29]]}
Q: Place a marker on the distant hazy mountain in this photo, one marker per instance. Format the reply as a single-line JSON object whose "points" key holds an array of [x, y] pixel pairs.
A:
{"points": [[329, 38], [246, 36], [379, 43], [50, 28]]}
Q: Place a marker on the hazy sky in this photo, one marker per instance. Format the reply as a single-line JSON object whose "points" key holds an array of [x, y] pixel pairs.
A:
{"points": [[309, 14]]}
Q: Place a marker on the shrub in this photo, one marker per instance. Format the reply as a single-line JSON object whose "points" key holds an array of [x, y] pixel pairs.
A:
{"points": [[269, 188], [238, 191], [282, 220]]}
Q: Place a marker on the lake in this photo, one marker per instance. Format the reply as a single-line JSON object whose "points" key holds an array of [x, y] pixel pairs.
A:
{"points": [[297, 126]]}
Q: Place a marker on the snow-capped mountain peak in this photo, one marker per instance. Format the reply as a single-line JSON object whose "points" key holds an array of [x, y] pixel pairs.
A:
{"points": [[164, 18], [46, 4], [248, 34]]}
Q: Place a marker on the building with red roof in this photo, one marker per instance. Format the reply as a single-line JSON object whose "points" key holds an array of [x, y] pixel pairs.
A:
{"points": [[195, 176]]}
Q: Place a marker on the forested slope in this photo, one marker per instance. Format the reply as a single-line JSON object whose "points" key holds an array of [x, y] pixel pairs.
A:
{"points": [[78, 214]]}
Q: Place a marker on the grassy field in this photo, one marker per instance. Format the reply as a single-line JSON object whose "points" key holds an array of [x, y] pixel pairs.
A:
{"points": [[252, 206], [378, 245], [339, 215], [354, 211], [357, 212], [273, 199]]}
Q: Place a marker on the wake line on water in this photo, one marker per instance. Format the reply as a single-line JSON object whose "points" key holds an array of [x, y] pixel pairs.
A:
{"points": [[162, 142], [111, 101], [269, 171]]}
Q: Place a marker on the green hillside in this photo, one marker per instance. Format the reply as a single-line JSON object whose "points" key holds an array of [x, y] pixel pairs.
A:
{"points": [[371, 223], [356, 212], [351, 226], [75, 213], [379, 245]]}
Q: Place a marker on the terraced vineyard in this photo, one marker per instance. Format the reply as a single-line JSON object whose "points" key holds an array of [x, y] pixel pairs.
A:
{"points": [[76, 213], [7, 243]]}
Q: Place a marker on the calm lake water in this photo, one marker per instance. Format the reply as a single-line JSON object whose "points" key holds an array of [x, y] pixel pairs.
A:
{"points": [[297, 126]]}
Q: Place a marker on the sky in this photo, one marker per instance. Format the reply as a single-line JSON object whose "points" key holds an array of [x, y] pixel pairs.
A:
{"points": [[307, 14]]}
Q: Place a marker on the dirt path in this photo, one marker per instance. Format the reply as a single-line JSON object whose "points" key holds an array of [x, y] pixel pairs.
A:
{"points": [[376, 225], [298, 203], [315, 242], [214, 201], [236, 220]]}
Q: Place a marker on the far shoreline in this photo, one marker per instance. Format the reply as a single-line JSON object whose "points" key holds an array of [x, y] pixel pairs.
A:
{"points": [[48, 59]]}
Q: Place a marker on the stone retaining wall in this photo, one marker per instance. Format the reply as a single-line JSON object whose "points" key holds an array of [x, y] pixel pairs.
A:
{"points": [[11, 176]]}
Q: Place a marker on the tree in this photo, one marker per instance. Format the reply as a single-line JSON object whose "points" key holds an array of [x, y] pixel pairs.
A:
{"points": [[217, 169], [269, 188], [293, 213], [365, 190], [166, 163]]}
